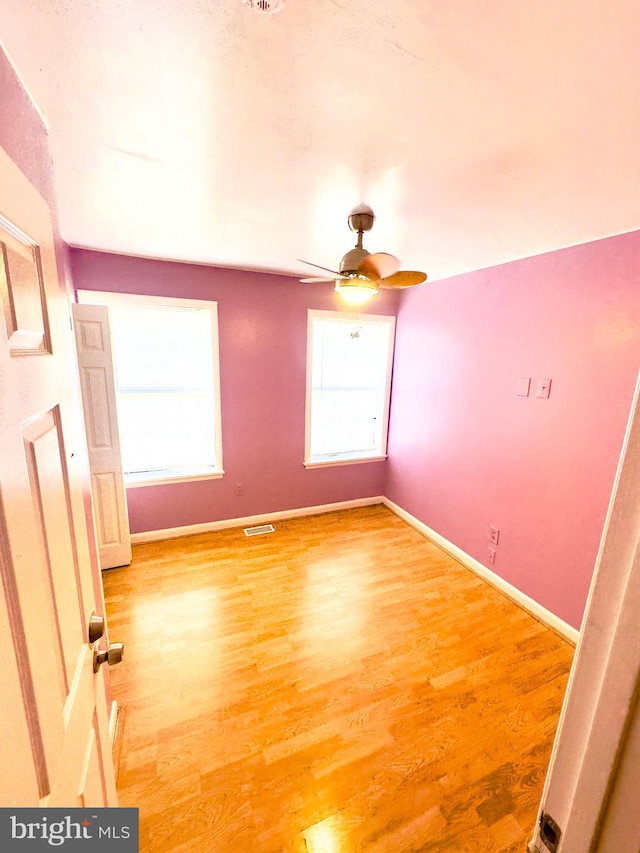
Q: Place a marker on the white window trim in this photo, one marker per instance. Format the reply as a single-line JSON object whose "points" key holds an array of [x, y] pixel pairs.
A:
{"points": [[354, 458], [135, 481], [345, 461], [156, 478]]}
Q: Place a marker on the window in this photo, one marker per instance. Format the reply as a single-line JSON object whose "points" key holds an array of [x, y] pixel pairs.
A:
{"points": [[349, 359], [165, 354]]}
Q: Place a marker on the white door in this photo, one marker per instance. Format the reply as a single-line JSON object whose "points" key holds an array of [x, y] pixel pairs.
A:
{"points": [[93, 345], [54, 740]]}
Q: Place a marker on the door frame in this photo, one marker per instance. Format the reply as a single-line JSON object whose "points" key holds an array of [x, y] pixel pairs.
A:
{"points": [[601, 702]]}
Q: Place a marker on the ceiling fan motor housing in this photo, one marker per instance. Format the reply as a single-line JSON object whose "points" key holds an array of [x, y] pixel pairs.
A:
{"points": [[361, 218], [352, 260]]}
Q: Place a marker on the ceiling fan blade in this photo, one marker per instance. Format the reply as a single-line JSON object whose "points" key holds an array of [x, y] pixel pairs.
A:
{"points": [[317, 266], [404, 278], [379, 265], [316, 280]]}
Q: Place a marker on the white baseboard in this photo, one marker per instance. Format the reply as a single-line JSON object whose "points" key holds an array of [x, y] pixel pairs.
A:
{"points": [[249, 520], [520, 598]]}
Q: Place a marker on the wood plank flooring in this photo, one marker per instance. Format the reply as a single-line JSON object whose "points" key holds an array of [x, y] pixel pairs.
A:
{"points": [[339, 686]]}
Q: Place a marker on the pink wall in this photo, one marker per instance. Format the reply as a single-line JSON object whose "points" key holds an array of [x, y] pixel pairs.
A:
{"points": [[466, 452], [263, 337], [24, 137]]}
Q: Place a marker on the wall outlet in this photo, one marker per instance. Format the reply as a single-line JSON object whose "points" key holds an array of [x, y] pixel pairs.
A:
{"points": [[494, 534], [491, 556], [239, 488]]}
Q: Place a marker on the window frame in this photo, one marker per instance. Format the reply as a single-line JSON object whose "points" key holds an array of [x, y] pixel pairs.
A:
{"points": [[164, 476], [347, 457]]}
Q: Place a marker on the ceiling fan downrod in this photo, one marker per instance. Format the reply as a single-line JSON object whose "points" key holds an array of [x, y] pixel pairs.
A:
{"points": [[361, 219]]}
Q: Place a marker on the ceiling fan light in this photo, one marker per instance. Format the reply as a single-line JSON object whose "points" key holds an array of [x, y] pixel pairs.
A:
{"points": [[356, 294]]}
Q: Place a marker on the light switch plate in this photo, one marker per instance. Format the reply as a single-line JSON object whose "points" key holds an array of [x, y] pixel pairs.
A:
{"points": [[543, 388], [524, 383]]}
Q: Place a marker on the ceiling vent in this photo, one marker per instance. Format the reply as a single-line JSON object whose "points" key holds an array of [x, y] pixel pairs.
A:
{"points": [[266, 7]]}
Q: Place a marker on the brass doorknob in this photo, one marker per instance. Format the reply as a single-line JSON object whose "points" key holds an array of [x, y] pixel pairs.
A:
{"points": [[111, 655], [96, 628]]}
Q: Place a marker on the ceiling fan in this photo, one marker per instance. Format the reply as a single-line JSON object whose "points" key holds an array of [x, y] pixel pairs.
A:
{"points": [[362, 274]]}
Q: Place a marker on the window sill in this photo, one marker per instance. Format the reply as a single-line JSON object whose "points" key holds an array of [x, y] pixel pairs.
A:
{"points": [[328, 463], [162, 478]]}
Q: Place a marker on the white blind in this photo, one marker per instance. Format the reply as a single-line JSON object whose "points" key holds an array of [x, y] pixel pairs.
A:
{"points": [[349, 377], [164, 382]]}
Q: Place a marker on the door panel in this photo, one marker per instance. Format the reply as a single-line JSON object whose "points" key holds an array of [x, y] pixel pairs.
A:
{"points": [[21, 787], [93, 343], [49, 486], [23, 294], [52, 701]]}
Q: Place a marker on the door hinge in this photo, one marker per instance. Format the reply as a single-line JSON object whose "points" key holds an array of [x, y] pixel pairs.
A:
{"points": [[550, 832]]}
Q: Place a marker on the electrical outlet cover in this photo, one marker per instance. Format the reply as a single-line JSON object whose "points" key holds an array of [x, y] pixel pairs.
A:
{"points": [[543, 388], [491, 556], [494, 534]]}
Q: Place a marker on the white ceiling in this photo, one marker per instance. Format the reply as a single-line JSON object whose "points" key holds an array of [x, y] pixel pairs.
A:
{"points": [[202, 130]]}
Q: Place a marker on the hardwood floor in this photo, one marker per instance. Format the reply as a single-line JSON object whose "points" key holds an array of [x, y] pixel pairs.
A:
{"points": [[339, 686]]}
